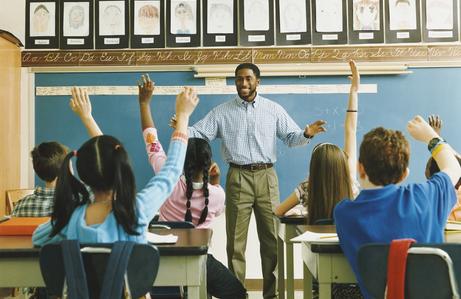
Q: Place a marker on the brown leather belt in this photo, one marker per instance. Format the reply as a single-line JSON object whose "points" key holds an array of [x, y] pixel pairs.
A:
{"points": [[252, 167]]}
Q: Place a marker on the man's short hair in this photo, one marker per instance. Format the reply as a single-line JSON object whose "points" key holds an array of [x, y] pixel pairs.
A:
{"points": [[250, 66], [47, 158], [385, 155]]}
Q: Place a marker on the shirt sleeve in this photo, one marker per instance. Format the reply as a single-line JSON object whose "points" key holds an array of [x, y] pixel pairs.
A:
{"points": [[206, 128], [154, 149], [41, 235], [221, 198], [288, 131], [159, 187]]}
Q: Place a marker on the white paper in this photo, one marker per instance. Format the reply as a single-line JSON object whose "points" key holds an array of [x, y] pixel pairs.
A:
{"points": [[440, 34], [293, 16], [183, 16], [42, 17], [256, 15], [402, 14], [402, 35], [439, 14], [161, 239], [366, 15], [147, 17], [366, 35], [329, 15], [220, 16], [111, 18], [76, 19], [298, 210], [312, 237]]}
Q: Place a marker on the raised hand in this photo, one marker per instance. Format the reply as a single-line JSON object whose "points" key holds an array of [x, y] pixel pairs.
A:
{"points": [[173, 121], [435, 122], [420, 130], [315, 128], [355, 78], [145, 89], [186, 102], [80, 102]]}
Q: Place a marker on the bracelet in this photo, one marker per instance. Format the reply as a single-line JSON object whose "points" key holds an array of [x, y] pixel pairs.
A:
{"points": [[437, 149], [351, 110]]}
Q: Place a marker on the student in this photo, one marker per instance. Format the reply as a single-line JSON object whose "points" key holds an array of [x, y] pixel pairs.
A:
{"points": [[47, 158], [431, 168], [117, 212], [332, 171], [195, 198], [384, 211]]}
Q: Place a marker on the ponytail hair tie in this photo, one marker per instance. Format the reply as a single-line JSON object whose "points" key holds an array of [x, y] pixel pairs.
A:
{"points": [[117, 146], [75, 153]]}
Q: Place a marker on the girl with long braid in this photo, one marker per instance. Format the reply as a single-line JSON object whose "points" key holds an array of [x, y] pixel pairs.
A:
{"points": [[197, 197]]}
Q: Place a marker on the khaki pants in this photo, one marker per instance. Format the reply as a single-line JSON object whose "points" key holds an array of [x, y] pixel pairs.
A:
{"points": [[247, 191]]}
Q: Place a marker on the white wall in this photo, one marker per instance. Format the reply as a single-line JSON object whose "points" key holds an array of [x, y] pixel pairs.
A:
{"points": [[12, 19]]}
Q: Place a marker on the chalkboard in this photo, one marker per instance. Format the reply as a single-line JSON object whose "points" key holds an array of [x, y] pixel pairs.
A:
{"points": [[399, 97]]}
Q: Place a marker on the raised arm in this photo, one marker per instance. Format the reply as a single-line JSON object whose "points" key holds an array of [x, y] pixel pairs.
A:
{"points": [[146, 89], [81, 105], [350, 123], [442, 153]]}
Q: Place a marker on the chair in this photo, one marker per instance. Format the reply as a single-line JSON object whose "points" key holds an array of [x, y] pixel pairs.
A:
{"points": [[324, 221], [169, 292], [141, 271], [433, 270], [13, 196]]}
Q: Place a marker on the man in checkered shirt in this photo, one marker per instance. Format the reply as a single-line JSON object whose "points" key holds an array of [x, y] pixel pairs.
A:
{"points": [[47, 158], [249, 126]]}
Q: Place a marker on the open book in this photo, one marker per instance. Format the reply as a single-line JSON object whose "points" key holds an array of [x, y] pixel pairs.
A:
{"points": [[453, 226], [312, 237], [161, 239]]}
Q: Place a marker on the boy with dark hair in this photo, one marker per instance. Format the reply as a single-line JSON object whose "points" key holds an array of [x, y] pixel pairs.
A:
{"points": [[47, 158], [384, 211]]}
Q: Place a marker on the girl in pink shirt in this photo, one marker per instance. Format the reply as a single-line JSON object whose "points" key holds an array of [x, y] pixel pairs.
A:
{"points": [[197, 197]]}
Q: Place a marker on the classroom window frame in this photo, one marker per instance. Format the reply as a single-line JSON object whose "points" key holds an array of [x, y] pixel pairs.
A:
{"points": [[77, 41], [148, 40], [293, 38], [42, 41], [111, 41]]}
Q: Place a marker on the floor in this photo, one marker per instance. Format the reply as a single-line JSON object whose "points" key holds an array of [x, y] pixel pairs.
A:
{"points": [[258, 295]]}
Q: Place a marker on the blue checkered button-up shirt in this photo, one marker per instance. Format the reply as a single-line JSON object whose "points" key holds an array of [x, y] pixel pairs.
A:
{"points": [[249, 131]]}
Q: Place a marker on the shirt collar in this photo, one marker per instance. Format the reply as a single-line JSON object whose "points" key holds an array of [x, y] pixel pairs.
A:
{"points": [[245, 103]]}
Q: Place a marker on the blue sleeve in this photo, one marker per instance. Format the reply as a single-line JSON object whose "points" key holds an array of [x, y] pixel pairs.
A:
{"points": [[206, 128], [159, 187], [41, 235], [442, 193], [288, 131]]}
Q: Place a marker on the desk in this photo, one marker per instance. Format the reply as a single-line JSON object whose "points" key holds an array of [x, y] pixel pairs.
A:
{"points": [[327, 263], [183, 263], [285, 232]]}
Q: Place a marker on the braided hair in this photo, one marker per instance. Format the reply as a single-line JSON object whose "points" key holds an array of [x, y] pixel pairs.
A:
{"points": [[198, 160]]}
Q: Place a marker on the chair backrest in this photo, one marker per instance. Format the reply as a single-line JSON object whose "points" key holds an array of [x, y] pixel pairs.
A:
{"points": [[141, 271], [324, 221], [433, 270], [13, 196]]}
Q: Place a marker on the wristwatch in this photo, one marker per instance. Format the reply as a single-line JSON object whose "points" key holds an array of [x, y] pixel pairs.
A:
{"points": [[433, 143]]}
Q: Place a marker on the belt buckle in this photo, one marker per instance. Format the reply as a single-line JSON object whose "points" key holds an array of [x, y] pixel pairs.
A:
{"points": [[253, 167]]}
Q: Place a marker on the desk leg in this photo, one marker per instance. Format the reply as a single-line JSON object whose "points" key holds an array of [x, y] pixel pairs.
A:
{"points": [[307, 282], [290, 272], [324, 290], [281, 267]]}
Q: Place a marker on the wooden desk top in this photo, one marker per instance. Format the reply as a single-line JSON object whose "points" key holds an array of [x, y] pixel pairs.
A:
{"points": [[450, 237], [190, 242]]}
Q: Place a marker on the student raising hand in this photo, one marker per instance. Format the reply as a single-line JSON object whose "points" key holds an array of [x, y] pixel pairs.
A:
{"points": [[81, 105], [146, 89], [186, 102], [214, 173]]}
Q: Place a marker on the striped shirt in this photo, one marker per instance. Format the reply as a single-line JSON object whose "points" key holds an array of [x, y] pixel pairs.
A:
{"points": [[249, 131], [38, 204]]}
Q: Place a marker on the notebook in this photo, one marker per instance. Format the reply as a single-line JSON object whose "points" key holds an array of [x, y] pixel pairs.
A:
{"points": [[21, 226]]}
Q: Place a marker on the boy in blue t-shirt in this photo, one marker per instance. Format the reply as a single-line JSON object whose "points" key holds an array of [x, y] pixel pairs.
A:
{"points": [[384, 211]]}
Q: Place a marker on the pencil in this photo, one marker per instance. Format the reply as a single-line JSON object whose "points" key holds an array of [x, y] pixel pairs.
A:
{"points": [[327, 237]]}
